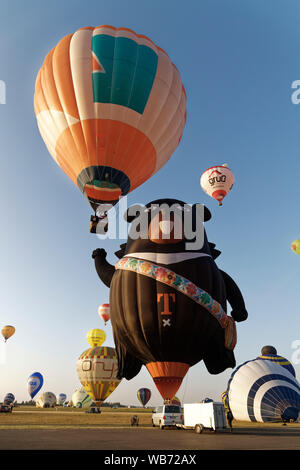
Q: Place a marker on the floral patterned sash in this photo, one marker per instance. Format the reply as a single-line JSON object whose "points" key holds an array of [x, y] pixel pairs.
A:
{"points": [[186, 287]]}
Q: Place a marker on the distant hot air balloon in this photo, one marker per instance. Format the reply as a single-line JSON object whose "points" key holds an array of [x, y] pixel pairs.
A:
{"points": [[296, 246], [7, 331], [261, 391], [144, 395], [111, 109], [95, 337], [104, 312], [81, 399], [46, 400], [207, 400], [97, 371], [61, 398], [35, 383], [8, 399], [269, 353], [217, 181], [174, 401]]}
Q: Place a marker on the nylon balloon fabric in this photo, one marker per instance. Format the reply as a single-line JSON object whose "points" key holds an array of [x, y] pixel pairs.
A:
{"points": [[111, 109], [168, 304], [144, 395], [97, 372], [262, 391]]}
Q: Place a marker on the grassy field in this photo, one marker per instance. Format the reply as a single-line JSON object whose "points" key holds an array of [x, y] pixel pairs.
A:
{"points": [[34, 418]]}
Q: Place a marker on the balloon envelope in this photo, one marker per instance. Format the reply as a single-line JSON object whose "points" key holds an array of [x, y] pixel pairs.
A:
{"points": [[61, 398], [7, 331], [97, 371], [296, 246], [8, 399], [174, 401], [46, 400], [104, 312], [35, 383], [81, 399], [144, 395], [261, 391], [282, 361], [111, 109], [217, 181], [95, 337]]}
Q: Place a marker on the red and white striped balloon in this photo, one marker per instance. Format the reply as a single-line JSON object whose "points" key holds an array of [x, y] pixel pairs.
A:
{"points": [[217, 181], [104, 312]]}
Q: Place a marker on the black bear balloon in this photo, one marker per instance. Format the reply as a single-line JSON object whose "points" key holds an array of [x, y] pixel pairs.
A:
{"points": [[168, 304]]}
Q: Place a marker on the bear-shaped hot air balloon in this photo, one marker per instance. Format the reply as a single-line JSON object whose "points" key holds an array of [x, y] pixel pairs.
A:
{"points": [[168, 297]]}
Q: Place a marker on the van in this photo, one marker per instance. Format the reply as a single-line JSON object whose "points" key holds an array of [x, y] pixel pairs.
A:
{"points": [[167, 415]]}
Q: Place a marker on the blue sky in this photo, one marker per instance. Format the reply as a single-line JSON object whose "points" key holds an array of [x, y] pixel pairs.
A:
{"points": [[237, 60]]}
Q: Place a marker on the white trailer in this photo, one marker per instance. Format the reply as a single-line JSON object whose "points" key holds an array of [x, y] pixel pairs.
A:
{"points": [[200, 416]]}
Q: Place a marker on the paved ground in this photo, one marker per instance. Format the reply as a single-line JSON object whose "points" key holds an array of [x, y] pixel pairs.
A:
{"points": [[284, 437]]}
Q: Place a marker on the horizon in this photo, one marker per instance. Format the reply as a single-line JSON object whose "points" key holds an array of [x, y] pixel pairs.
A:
{"points": [[239, 69]]}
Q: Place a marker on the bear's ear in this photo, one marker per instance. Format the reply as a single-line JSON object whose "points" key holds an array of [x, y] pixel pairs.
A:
{"points": [[207, 213], [132, 212]]}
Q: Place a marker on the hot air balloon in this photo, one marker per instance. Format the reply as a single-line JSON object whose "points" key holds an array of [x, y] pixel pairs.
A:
{"points": [[111, 109], [95, 337], [261, 391], [269, 353], [8, 399], [35, 383], [296, 246], [225, 400], [81, 399], [61, 398], [217, 181], [144, 395], [168, 303], [104, 312], [97, 371], [46, 400], [7, 331], [207, 400], [174, 401]]}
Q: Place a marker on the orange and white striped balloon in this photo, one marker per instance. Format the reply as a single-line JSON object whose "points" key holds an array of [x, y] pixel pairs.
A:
{"points": [[111, 109], [104, 312], [217, 181]]}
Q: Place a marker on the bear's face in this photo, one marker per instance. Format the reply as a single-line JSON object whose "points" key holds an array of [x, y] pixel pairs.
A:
{"points": [[167, 226]]}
